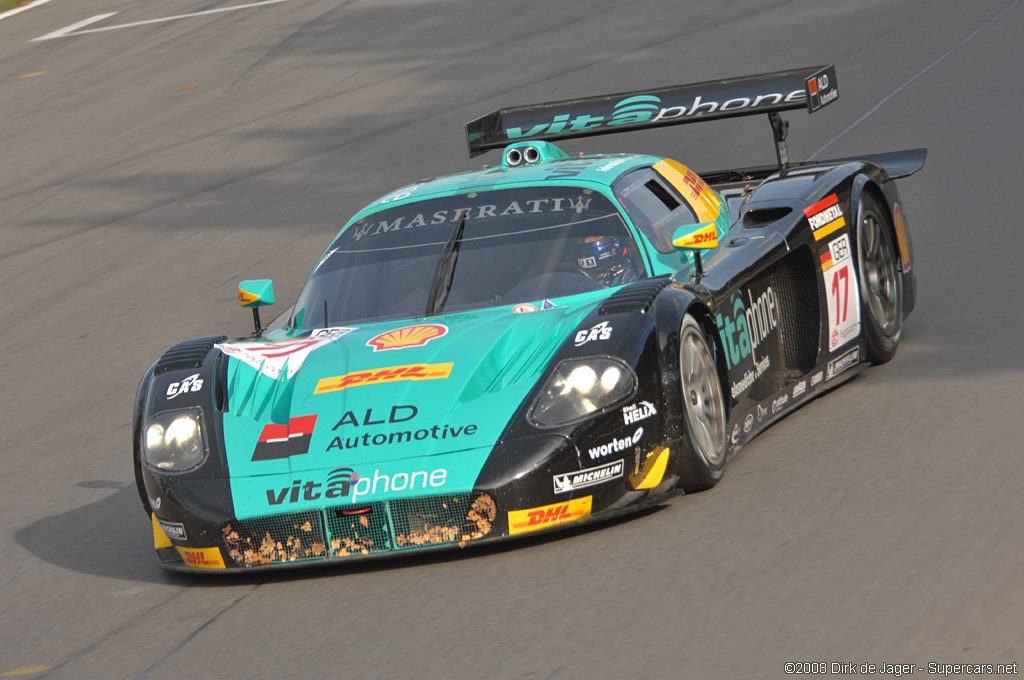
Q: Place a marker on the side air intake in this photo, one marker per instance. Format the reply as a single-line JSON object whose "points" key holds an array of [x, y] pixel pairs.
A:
{"points": [[188, 354], [636, 297]]}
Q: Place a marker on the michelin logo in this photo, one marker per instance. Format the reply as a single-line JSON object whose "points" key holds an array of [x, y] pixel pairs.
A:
{"points": [[588, 477]]}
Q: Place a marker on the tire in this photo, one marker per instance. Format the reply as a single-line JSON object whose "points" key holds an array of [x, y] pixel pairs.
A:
{"points": [[881, 282], [704, 419]]}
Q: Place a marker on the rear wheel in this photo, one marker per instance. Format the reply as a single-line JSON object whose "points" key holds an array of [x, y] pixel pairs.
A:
{"points": [[881, 283], [703, 461]]}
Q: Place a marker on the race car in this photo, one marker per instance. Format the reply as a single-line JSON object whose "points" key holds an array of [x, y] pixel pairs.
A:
{"points": [[530, 346]]}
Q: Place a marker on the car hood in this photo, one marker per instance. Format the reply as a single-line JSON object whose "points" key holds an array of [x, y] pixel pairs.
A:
{"points": [[416, 404]]}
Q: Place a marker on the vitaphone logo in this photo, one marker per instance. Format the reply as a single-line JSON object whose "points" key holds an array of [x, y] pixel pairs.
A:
{"points": [[647, 108], [342, 482], [744, 331]]}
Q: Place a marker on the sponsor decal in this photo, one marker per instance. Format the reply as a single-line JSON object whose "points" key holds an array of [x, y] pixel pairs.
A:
{"points": [[799, 388], [841, 363], [531, 519], [548, 304], [634, 413], [245, 298], [193, 383], [281, 441], [398, 414], [203, 558], [616, 445], [524, 308], [761, 413], [373, 225], [825, 217], [702, 238], [613, 164], [646, 108], [748, 423], [743, 332], [842, 293], [410, 336], [822, 90], [779, 402], [173, 530], [601, 331], [735, 433], [333, 332], [277, 359], [344, 482], [816, 379], [384, 375], [650, 470], [155, 502], [571, 481]]}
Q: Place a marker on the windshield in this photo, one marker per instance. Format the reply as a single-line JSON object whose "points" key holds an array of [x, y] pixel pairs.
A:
{"points": [[517, 245]]}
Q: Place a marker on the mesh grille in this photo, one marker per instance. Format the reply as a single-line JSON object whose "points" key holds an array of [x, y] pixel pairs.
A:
{"points": [[404, 524], [358, 531], [794, 279], [277, 539]]}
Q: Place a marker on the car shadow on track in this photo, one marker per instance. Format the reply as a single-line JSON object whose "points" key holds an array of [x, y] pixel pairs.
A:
{"points": [[112, 538]]}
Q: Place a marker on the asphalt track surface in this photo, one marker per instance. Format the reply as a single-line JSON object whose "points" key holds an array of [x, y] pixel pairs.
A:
{"points": [[145, 170]]}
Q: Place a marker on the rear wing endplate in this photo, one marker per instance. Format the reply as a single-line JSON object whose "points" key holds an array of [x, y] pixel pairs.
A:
{"points": [[767, 93]]}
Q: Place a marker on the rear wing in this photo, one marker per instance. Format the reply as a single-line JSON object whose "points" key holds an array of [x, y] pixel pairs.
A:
{"points": [[767, 93]]}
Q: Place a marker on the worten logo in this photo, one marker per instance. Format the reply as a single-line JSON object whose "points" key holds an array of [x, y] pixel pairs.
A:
{"points": [[344, 482], [282, 441], [616, 445], [744, 331], [650, 109]]}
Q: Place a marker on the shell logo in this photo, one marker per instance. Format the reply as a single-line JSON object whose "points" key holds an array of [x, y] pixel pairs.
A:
{"points": [[410, 336]]}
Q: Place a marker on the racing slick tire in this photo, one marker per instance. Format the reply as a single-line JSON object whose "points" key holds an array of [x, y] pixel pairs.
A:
{"points": [[704, 417], [881, 282]]}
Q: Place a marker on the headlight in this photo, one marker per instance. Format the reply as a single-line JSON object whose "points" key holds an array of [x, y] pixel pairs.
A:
{"points": [[579, 388], [173, 441]]}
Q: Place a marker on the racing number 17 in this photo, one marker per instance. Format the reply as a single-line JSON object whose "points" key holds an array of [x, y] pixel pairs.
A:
{"points": [[841, 303]]}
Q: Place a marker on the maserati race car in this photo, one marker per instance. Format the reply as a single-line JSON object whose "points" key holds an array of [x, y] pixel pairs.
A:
{"points": [[533, 345]]}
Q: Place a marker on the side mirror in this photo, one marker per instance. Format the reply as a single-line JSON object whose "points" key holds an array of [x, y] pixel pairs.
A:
{"points": [[696, 237], [254, 294]]}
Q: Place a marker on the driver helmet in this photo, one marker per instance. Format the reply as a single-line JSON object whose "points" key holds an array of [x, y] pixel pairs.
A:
{"points": [[605, 260]]}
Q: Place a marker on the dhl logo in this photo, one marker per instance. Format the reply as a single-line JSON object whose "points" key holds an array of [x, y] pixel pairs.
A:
{"points": [[203, 558], [410, 336], [384, 375], [520, 521], [246, 298], [702, 198], [704, 238]]}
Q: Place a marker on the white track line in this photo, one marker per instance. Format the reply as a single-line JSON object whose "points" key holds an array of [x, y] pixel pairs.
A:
{"points": [[68, 31], [19, 10]]}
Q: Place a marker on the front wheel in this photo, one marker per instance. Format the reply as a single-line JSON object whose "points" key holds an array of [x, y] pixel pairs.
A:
{"points": [[881, 283], [703, 460]]}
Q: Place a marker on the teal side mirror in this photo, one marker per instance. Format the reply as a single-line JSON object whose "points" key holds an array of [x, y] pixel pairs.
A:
{"points": [[255, 294]]}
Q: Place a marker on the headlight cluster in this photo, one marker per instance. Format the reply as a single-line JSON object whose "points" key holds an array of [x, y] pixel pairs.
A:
{"points": [[579, 388], [173, 441]]}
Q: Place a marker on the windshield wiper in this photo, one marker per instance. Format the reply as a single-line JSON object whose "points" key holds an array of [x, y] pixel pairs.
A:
{"points": [[441, 284]]}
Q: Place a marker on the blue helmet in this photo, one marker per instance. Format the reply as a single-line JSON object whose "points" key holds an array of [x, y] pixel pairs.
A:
{"points": [[605, 260]]}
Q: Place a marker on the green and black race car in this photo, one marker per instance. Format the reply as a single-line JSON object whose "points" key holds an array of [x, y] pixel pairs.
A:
{"points": [[532, 345]]}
